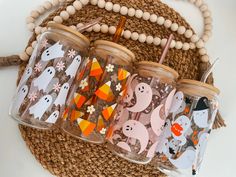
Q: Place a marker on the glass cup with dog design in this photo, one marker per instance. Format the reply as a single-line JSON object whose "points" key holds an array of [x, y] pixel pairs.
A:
{"points": [[187, 128], [103, 79], [51, 71], [141, 113]]}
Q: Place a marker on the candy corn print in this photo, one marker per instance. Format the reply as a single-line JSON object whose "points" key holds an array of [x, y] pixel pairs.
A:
{"points": [[100, 83]]}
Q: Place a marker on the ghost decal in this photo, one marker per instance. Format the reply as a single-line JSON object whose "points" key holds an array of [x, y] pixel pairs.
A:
{"points": [[53, 117], [136, 130], [41, 106], [143, 94], [61, 98], [20, 96], [157, 122], [44, 78], [72, 69], [179, 127], [55, 51], [200, 113], [25, 77], [177, 101], [168, 102], [124, 146]]}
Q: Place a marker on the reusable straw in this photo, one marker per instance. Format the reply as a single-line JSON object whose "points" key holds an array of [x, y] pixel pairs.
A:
{"points": [[166, 48], [89, 24], [208, 71]]}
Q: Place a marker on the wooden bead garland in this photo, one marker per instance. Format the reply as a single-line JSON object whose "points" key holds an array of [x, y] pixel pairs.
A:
{"points": [[196, 41]]}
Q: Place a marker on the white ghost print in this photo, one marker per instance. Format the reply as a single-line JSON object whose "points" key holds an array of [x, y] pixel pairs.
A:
{"points": [[53, 117], [61, 98], [20, 96], [55, 51], [72, 69], [25, 77], [44, 78], [41, 106]]}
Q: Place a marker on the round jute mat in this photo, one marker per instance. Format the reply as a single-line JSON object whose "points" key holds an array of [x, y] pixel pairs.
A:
{"points": [[66, 156]]}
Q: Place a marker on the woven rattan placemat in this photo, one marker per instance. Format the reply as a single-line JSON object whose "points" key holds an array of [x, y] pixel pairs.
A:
{"points": [[63, 155]]}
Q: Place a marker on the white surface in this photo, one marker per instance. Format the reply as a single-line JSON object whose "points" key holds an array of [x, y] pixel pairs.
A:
{"points": [[17, 161]]}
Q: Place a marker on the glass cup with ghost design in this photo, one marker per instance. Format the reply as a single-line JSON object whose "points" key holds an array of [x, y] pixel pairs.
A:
{"points": [[42, 91], [103, 79], [188, 126], [141, 113]]}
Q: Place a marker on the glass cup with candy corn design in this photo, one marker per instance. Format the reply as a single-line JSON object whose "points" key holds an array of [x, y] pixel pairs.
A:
{"points": [[142, 111], [42, 91], [187, 128], [102, 81]]}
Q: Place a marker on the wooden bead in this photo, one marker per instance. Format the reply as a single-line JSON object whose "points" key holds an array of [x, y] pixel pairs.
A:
{"points": [[172, 44], [37, 29], [156, 41], [153, 18], [142, 38], [73, 27], [71, 10], [146, 15], [194, 38], [149, 40], [163, 42], [31, 26], [188, 33], [131, 12], [33, 44], [208, 33], [57, 19], [29, 50], [41, 9], [116, 8], [167, 23], [96, 28], [55, 2], [207, 13], [127, 34], [104, 28], [94, 2], [205, 38], [89, 29], [208, 27], [62, 1], [79, 25], [30, 20], [205, 58], [200, 44], [77, 5], [198, 3], [43, 29], [84, 2], [160, 20], [112, 29], [208, 20], [192, 45], [174, 27], [138, 13], [186, 46], [47, 5], [181, 30], [64, 15], [202, 51], [203, 7], [134, 36], [101, 3], [123, 10], [178, 45], [109, 6], [23, 56], [34, 14]]}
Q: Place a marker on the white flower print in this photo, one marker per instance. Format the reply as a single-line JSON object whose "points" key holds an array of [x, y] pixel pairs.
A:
{"points": [[33, 96], [90, 109], [60, 66], [118, 87], [71, 53], [56, 87], [83, 83], [38, 67], [109, 68], [103, 131]]}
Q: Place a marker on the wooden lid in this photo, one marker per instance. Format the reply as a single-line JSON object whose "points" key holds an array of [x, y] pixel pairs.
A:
{"points": [[199, 84], [116, 46], [70, 30], [142, 64]]}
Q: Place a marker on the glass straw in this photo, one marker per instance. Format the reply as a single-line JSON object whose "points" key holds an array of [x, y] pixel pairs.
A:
{"points": [[89, 24], [208, 71]]}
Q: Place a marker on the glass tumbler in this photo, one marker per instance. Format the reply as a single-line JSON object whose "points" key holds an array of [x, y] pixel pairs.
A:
{"points": [[42, 91], [141, 113], [102, 80], [187, 128]]}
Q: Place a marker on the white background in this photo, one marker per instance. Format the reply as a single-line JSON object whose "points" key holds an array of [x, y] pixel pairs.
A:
{"points": [[17, 161]]}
